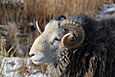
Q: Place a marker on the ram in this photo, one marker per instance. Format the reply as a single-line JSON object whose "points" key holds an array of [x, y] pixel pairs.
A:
{"points": [[78, 46]]}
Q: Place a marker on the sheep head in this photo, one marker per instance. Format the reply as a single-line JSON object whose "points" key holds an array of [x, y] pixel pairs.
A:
{"points": [[57, 37]]}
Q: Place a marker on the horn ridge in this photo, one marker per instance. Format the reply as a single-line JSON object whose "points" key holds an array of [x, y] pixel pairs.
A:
{"points": [[75, 31], [68, 22]]}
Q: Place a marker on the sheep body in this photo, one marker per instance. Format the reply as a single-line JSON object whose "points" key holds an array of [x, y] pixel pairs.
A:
{"points": [[95, 57]]}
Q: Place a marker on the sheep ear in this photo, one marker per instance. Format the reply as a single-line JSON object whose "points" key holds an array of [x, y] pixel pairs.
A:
{"points": [[39, 29], [59, 17]]}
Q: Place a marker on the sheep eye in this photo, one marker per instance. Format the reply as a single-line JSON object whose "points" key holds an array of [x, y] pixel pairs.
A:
{"points": [[56, 40]]}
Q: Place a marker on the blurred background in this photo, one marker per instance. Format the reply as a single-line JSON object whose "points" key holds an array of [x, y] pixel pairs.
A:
{"points": [[18, 17]]}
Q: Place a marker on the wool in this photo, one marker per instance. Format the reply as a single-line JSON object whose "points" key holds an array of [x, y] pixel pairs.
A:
{"points": [[95, 57]]}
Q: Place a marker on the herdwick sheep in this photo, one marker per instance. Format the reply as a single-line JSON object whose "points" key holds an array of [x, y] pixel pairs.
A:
{"points": [[78, 46]]}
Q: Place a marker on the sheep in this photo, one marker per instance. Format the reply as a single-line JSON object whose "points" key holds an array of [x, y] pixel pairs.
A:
{"points": [[78, 46]]}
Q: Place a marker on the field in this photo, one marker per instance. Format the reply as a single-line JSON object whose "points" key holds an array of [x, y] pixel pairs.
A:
{"points": [[18, 17]]}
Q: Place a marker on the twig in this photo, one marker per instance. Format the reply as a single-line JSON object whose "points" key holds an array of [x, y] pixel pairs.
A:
{"points": [[39, 30], [11, 48], [2, 68]]}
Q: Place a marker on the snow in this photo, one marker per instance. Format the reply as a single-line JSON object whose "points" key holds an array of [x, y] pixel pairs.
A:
{"points": [[13, 1], [106, 9], [2, 26], [19, 67]]}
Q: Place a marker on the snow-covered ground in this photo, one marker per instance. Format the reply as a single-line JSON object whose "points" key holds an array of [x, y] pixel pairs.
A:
{"points": [[13, 1], [19, 67], [106, 9]]}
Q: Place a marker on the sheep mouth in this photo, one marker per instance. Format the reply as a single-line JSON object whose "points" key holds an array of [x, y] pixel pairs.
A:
{"points": [[38, 59], [37, 62]]}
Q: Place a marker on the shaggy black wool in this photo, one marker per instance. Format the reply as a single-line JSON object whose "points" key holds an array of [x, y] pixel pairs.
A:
{"points": [[96, 55]]}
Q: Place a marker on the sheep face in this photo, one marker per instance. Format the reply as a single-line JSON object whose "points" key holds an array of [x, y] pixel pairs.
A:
{"points": [[57, 37], [45, 47]]}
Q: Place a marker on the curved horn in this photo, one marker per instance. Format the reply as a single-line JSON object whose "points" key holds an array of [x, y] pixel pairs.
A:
{"points": [[75, 36]]}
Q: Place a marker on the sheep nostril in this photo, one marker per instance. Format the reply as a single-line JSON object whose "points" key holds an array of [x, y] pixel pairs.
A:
{"points": [[32, 55]]}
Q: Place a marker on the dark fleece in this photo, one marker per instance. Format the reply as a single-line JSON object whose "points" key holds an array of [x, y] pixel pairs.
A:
{"points": [[95, 56]]}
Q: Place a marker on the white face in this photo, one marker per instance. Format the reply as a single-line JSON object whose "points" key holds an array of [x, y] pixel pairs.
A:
{"points": [[48, 46]]}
